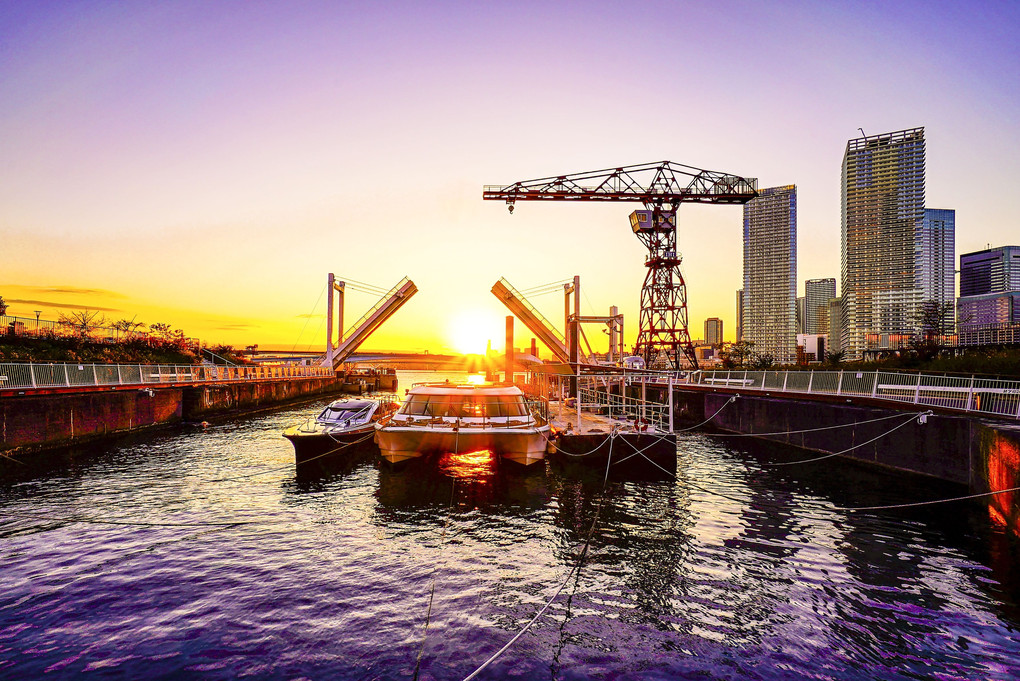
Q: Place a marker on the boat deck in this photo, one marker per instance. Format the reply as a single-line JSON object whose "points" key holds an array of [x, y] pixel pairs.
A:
{"points": [[562, 418], [600, 437]]}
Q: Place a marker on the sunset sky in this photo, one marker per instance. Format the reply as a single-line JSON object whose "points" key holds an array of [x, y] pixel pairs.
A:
{"points": [[207, 164]]}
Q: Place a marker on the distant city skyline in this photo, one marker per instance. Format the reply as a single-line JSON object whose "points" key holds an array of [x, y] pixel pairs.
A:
{"points": [[206, 165]]}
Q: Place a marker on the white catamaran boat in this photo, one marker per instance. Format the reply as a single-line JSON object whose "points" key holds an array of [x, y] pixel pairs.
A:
{"points": [[445, 417]]}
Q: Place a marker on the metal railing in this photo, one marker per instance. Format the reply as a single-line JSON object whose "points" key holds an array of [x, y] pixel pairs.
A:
{"points": [[26, 376], [622, 407], [969, 394]]}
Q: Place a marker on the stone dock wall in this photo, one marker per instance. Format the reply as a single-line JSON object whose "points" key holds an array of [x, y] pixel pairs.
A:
{"points": [[31, 423], [982, 455]]}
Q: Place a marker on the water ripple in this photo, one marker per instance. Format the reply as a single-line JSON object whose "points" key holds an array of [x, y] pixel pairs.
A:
{"points": [[731, 571]]}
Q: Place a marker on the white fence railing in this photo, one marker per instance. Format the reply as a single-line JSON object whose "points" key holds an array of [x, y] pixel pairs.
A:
{"points": [[969, 394], [24, 376]]}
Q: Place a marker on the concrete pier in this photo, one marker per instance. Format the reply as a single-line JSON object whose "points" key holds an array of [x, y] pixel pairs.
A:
{"points": [[981, 455], [33, 423]]}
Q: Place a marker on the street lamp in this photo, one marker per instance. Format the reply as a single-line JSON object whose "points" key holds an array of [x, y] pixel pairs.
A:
{"points": [[37, 313]]}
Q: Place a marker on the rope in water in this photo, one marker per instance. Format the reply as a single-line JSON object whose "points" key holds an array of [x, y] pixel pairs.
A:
{"points": [[435, 569], [302, 462], [563, 584], [925, 503]]}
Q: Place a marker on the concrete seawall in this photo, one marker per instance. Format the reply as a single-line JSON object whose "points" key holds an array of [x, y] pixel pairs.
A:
{"points": [[982, 455], [32, 423]]}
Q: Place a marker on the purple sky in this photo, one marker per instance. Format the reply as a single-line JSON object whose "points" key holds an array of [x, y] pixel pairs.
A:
{"points": [[206, 164]]}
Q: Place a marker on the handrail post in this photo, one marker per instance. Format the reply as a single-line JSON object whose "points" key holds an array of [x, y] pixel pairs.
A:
{"points": [[670, 404], [31, 372], [970, 394], [874, 386], [917, 390], [67, 379], [786, 377], [839, 384], [810, 380]]}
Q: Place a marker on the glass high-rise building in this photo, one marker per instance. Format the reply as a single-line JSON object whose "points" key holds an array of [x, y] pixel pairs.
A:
{"points": [[889, 265], [770, 273], [935, 269], [740, 315], [817, 293], [713, 331], [988, 308]]}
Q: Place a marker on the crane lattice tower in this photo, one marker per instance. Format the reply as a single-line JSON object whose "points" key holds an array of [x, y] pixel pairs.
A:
{"points": [[661, 187]]}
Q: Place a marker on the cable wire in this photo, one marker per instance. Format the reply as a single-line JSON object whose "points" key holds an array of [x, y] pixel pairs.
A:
{"points": [[925, 503], [913, 417]]}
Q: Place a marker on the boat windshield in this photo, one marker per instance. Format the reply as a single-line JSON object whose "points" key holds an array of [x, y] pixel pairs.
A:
{"points": [[470, 406], [345, 412]]}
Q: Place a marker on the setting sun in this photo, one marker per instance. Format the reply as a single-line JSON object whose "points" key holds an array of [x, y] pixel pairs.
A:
{"points": [[471, 330]]}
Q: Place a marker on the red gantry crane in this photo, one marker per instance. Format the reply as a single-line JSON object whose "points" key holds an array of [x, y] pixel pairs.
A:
{"points": [[661, 187]]}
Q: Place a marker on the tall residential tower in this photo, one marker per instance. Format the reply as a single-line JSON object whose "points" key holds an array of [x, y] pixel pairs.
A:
{"points": [[893, 259], [817, 293], [770, 273]]}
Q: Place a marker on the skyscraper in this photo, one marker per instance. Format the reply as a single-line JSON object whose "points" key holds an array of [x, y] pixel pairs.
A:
{"points": [[740, 315], [935, 266], [989, 304], [885, 274], [817, 293], [713, 331], [770, 273]]}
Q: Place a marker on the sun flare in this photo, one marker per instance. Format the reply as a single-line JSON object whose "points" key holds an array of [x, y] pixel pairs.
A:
{"points": [[471, 331]]}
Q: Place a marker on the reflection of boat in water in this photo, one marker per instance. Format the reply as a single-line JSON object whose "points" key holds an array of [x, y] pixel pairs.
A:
{"points": [[443, 417], [342, 426]]}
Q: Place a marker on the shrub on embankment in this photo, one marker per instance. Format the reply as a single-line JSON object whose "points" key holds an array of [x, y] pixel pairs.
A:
{"points": [[75, 349], [992, 361]]}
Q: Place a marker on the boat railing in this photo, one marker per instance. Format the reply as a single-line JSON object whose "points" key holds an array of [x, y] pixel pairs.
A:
{"points": [[615, 406]]}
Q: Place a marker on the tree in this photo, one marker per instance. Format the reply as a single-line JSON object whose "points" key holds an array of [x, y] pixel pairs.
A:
{"points": [[835, 358], [127, 326], [740, 352], [3, 307], [83, 322], [936, 321], [763, 361], [161, 330]]}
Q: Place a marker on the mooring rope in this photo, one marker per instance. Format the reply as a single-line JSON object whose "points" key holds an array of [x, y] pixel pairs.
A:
{"points": [[709, 419], [299, 463], [435, 569], [813, 430], [925, 503], [139, 523], [566, 580], [913, 417]]}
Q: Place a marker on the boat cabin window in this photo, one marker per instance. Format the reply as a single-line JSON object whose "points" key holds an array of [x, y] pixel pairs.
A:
{"points": [[415, 405], [453, 406]]}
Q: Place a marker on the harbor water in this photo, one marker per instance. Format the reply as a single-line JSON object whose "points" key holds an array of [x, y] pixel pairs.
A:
{"points": [[205, 553]]}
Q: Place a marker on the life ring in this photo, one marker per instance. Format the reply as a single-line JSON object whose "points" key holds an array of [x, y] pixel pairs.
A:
{"points": [[640, 425]]}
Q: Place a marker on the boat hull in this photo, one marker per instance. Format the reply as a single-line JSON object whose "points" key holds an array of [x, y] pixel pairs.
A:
{"points": [[521, 446], [328, 444]]}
